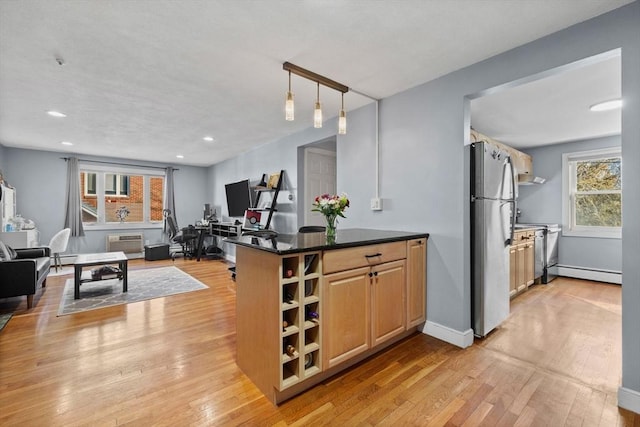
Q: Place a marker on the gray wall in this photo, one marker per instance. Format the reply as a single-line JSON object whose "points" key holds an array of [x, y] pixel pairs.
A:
{"points": [[3, 163], [424, 169], [543, 204], [40, 178]]}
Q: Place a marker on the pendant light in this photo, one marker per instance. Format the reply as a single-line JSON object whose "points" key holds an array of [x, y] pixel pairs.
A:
{"points": [[342, 119], [317, 112], [288, 106]]}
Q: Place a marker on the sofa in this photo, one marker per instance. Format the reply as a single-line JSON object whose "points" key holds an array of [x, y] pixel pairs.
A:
{"points": [[23, 271]]}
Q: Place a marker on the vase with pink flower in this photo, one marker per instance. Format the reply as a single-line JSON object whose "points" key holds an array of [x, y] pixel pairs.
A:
{"points": [[332, 207]]}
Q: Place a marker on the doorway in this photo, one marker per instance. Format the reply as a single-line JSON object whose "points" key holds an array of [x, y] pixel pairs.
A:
{"points": [[317, 175]]}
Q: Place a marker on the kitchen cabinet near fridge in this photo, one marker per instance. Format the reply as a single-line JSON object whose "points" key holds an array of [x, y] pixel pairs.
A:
{"points": [[521, 261]]}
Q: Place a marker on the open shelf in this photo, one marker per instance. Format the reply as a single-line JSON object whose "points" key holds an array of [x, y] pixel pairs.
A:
{"points": [[290, 373], [290, 330]]}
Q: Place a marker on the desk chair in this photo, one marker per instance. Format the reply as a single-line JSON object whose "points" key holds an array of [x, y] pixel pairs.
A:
{"points": [[185, 238], [312, 229]]}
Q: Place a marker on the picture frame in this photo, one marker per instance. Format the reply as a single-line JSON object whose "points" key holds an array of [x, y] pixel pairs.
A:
{"points": [[274, 178]]}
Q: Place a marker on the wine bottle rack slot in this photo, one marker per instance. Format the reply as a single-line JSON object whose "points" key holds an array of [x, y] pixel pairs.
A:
{"points": [[300, 301], [290, 268]]}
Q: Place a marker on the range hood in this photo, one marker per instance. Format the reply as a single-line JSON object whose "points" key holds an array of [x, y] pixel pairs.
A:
{"points": [[526, 179]]}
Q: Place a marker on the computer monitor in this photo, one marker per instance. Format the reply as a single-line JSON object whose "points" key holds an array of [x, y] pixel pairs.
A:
{"points": [[238, 198]]}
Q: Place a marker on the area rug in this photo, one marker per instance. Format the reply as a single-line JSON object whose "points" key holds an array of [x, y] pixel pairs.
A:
{"points": [[4, 319], [61, 271], [142, 285]]}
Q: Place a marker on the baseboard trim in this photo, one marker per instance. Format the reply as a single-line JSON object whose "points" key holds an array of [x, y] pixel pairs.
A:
{"points": [[629, 399], [452, 336], [607, 276]]}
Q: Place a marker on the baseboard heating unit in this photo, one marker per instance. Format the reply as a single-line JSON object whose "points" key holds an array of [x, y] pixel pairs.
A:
{"points": [[608, 276], [127, 243]]}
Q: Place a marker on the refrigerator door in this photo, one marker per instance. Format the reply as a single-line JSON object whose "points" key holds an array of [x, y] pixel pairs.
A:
{"points": [[490, 290], [493, 173]]}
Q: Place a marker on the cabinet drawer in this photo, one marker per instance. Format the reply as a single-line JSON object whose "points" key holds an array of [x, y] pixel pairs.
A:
{"points": [[362, 256]]}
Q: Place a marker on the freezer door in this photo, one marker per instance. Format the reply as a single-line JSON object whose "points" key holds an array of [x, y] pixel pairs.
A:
{"points": [[493, 173], [490, 257]]}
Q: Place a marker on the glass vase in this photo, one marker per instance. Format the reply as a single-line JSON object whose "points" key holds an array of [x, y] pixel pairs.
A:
{"points": [[330, 232]]}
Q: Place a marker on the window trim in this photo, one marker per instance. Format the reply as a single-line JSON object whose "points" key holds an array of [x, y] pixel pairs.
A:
{"points": [[568, 194], [100, 171]]}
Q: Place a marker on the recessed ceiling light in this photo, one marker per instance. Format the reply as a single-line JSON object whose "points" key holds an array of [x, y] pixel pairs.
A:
{"points": [[180, 156], [208, 138], [66, 143], [607, 105], [56, 114]]}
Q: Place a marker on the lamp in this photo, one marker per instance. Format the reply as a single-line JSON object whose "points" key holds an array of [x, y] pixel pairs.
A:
{"points": [[342, 119], [288, 105], [317, 112]]}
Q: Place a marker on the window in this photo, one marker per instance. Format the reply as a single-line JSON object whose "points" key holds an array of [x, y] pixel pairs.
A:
{"points": [[114, 184], [592, 193], [121, 197]]}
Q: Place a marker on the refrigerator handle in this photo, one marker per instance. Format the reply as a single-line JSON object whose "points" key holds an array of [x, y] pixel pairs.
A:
{"points": [[513, 202]]}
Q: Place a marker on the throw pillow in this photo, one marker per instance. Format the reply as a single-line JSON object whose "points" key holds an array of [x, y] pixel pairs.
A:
{"points": [[4, 253], [12, 252]]}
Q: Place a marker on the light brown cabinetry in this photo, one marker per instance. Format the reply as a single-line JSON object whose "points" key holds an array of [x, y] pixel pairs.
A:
{"points": [[347, 312], [522, 162], [416, 282], [302, 317], [521, 261], [382, 303]]}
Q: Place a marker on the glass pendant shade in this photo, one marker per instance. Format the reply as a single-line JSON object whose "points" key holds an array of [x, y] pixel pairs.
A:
{"points": [[288, 107], [317, 112], [317, 116], [342, 122]]}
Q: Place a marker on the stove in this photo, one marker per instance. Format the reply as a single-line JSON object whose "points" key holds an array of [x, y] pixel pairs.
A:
{"points": [[546, 250]]}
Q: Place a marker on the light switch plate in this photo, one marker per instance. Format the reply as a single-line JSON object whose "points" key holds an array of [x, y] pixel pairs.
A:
{"points": [[376, 204]]}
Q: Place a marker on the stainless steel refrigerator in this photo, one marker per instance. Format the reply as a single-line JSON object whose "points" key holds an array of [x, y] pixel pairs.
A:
{"points": [[493, 196]]}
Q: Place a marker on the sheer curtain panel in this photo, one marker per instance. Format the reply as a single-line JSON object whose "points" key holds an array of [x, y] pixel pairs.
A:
{"points": [[73, 202], [169, 198]]}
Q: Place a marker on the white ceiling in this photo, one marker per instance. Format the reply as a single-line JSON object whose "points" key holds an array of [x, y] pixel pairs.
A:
{"points": [[147, 79], [553, 109]]}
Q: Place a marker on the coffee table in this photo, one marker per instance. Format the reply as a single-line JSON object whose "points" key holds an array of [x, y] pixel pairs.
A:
{"points": [[89, 260]]}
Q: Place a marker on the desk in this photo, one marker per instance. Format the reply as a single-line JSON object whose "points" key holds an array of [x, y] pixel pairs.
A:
{"points": [[222, 229]]}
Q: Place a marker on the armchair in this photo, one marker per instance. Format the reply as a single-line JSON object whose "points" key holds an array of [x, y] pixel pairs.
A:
{"points": [[24, 273]]}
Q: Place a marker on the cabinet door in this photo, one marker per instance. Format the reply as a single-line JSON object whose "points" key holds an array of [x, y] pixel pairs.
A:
{"points": [[387, 301], [529, 263], [520, 279], [346, 313], [513, 271], [416, 282]]}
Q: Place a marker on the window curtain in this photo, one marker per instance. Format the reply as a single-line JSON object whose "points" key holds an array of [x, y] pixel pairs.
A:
{"points": [[169, 198], [73, 202]]}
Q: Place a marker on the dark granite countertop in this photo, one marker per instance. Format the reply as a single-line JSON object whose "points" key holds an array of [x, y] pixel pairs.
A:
{"points": [[303, 242]]}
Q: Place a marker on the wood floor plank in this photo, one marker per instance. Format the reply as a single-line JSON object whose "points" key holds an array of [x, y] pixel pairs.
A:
{"points": [[171, 361]]}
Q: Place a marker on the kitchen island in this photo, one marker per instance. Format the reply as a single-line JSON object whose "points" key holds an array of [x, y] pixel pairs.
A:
{"points": [[307, 308]]}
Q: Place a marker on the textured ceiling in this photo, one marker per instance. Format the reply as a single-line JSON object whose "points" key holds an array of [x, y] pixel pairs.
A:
{"points": [[147, 79]]}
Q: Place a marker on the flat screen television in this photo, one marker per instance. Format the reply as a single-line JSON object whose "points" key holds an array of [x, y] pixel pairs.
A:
{"points": [[238, 198]]}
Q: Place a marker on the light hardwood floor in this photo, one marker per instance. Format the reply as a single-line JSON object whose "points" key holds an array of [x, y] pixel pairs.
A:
{"points": [[171, 361]]}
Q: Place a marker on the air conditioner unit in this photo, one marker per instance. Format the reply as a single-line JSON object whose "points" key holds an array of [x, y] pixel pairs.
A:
{"points": [[127, 243]]}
